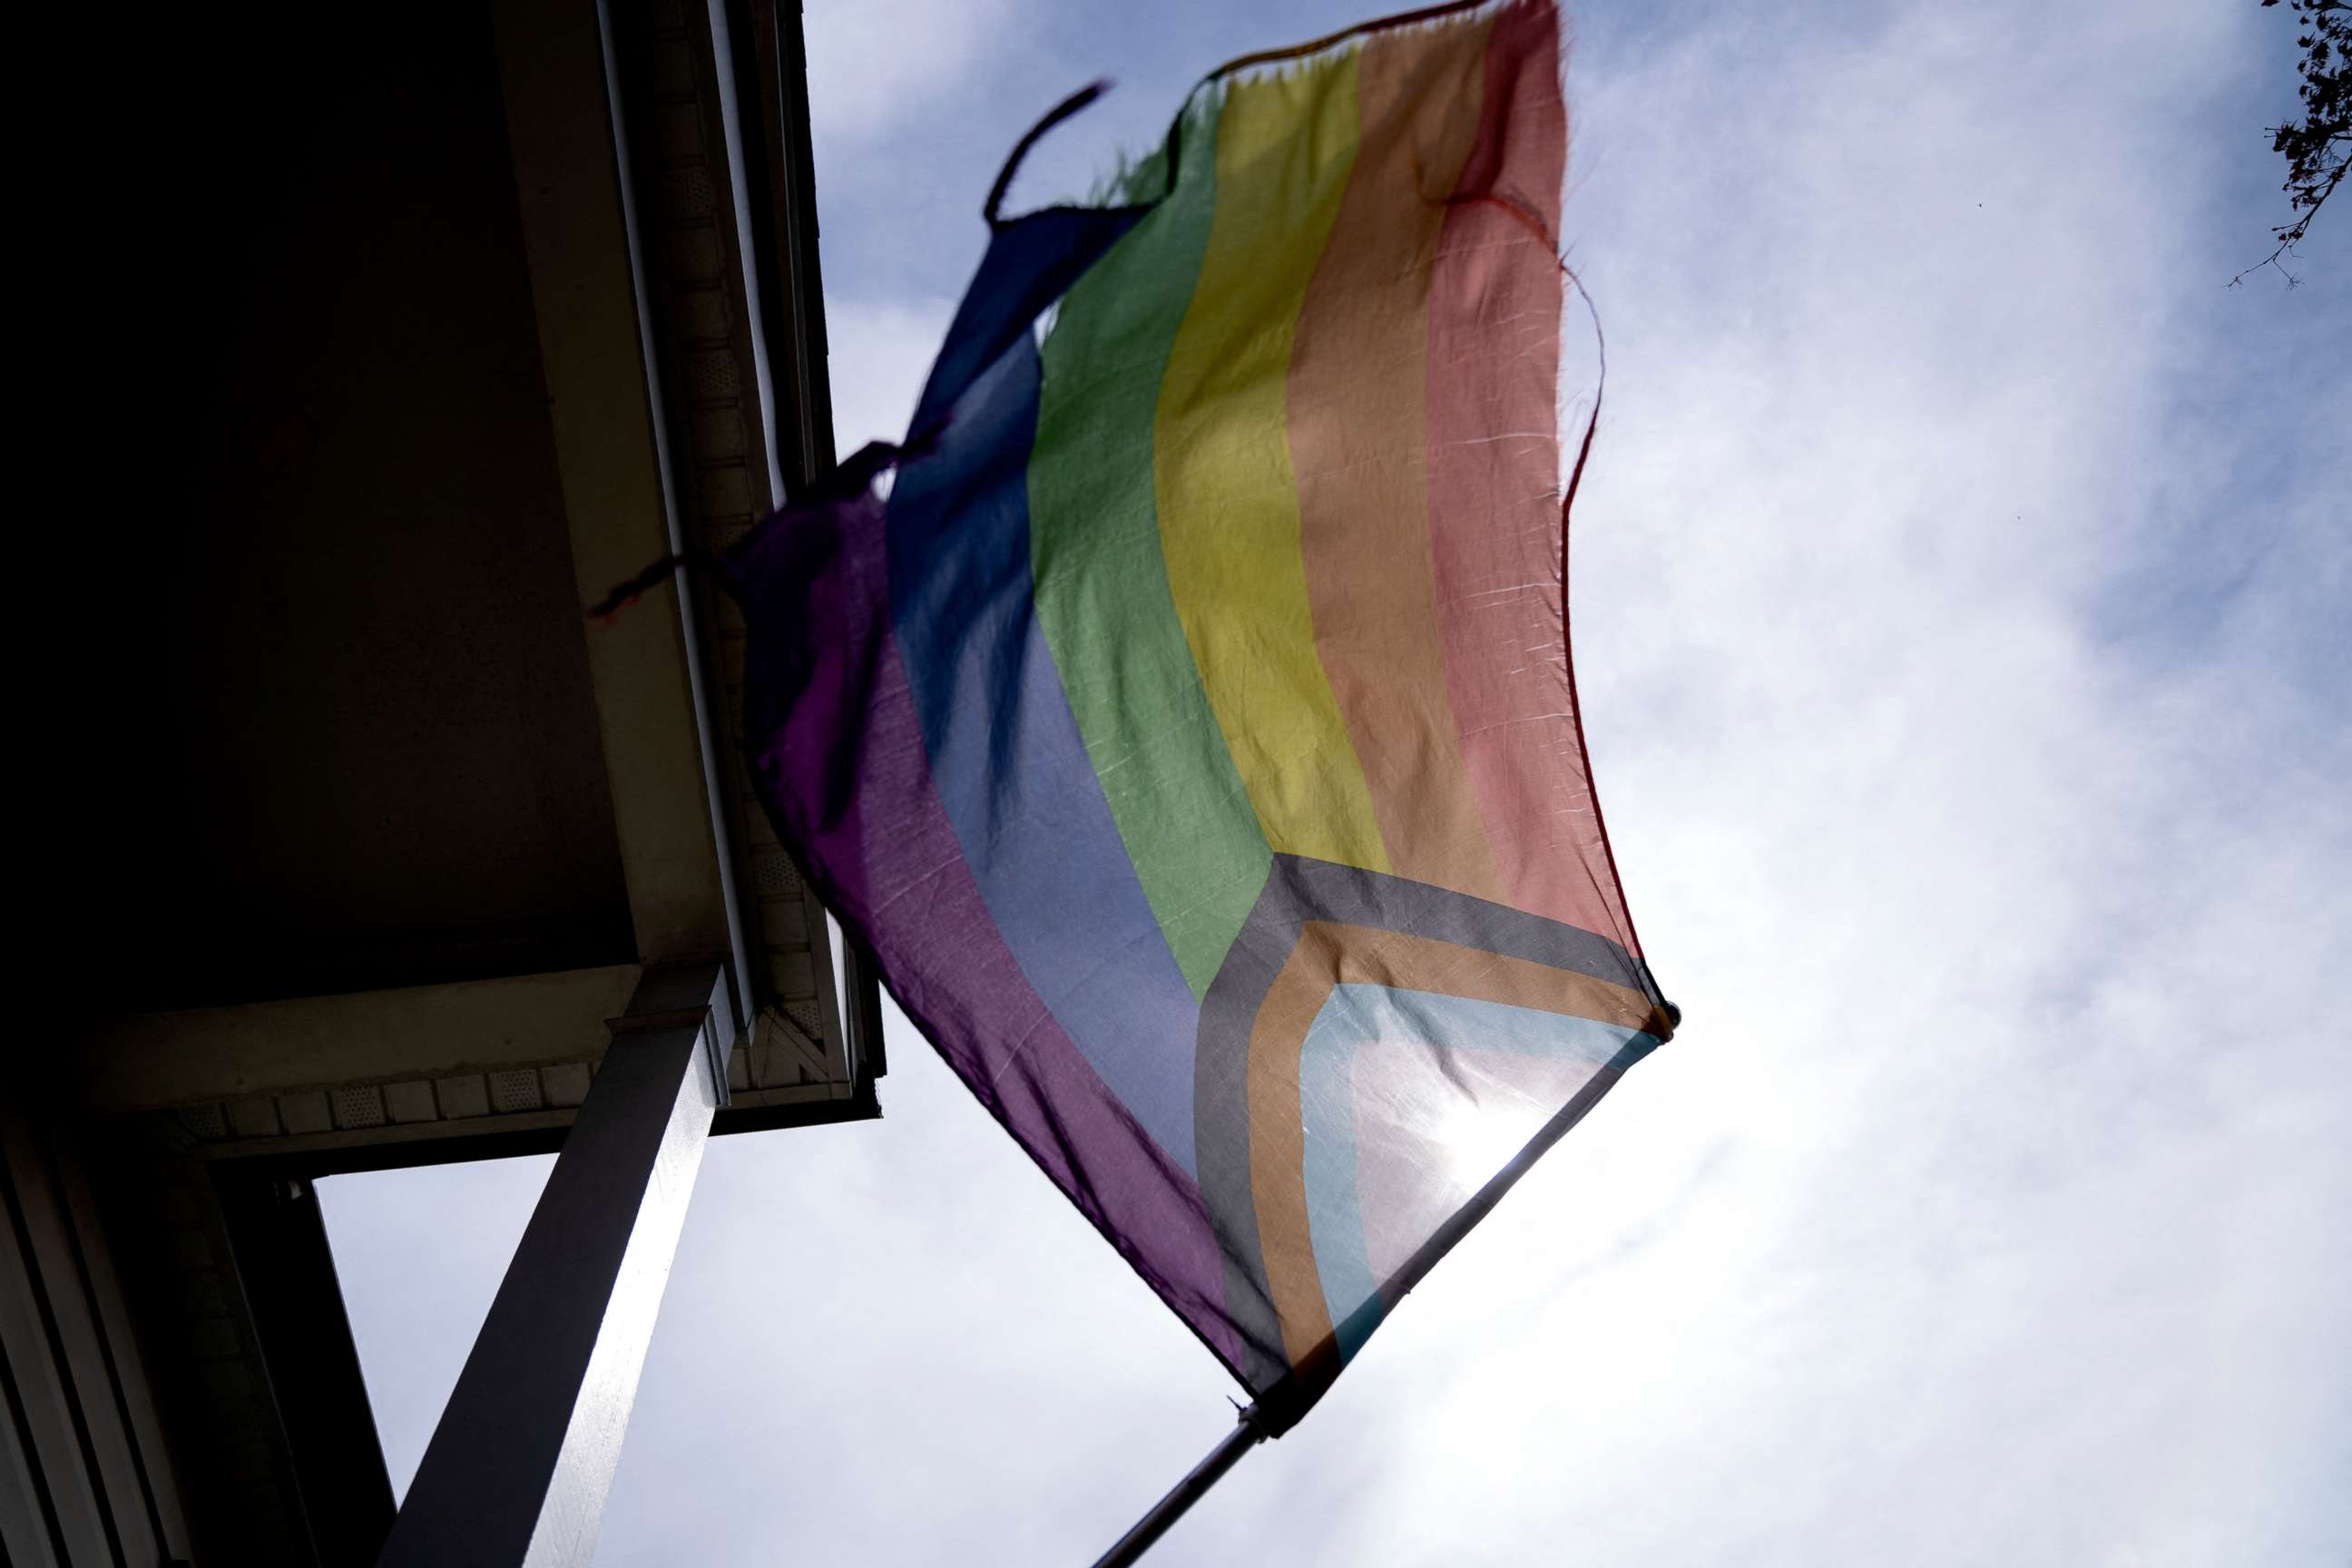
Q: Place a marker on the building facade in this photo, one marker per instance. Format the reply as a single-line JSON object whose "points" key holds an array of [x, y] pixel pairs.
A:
{"points": [[447, 319]]}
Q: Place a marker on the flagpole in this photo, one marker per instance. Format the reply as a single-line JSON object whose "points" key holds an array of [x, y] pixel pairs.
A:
{"points": [[1246, 1435]]}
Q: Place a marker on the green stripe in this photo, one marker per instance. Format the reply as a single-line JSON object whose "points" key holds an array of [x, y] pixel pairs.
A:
{"points": [[1102, 591]]}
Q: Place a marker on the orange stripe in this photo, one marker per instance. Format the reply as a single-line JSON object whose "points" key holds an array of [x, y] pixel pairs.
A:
{"points": [[1359, 437], [1331, 954], [1278, 1145]]}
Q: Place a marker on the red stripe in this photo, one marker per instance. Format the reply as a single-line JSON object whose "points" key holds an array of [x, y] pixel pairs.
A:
{"points": [[1494, 489]]}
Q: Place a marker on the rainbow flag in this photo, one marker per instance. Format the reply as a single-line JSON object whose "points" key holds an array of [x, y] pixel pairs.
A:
{"points": [[1189, 734]]}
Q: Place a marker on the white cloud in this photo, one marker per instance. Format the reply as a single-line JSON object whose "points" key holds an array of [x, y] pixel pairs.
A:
{"points": [[878, 353], [875, 65], [419, 1254]]}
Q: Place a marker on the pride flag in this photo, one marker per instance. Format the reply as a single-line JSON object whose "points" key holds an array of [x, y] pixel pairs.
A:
{"points": [[1189, 734]]}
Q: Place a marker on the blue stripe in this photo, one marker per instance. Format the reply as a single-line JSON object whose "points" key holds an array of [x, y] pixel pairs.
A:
{"points": [[1355, 1014], [1010, 766]]}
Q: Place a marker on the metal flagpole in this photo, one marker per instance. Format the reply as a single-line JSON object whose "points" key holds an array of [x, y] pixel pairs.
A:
{"points": [[1246, 1435]]}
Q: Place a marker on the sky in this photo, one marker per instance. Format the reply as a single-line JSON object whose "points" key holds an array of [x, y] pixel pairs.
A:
{"points": [[1959, 609]]}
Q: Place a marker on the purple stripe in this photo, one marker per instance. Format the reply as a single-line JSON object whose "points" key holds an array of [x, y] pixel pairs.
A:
{"points": [[838, 755]]}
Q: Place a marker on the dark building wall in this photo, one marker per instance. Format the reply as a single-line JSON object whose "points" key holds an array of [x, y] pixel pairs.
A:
{"points": [[85, 1476], [351, 740]]}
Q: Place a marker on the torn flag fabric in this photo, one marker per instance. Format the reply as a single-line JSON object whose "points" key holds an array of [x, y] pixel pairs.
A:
{"points": [[1189, 734]]}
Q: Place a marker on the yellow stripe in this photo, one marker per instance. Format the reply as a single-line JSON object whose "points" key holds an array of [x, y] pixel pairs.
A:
{"points": [[1228, 498]]}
